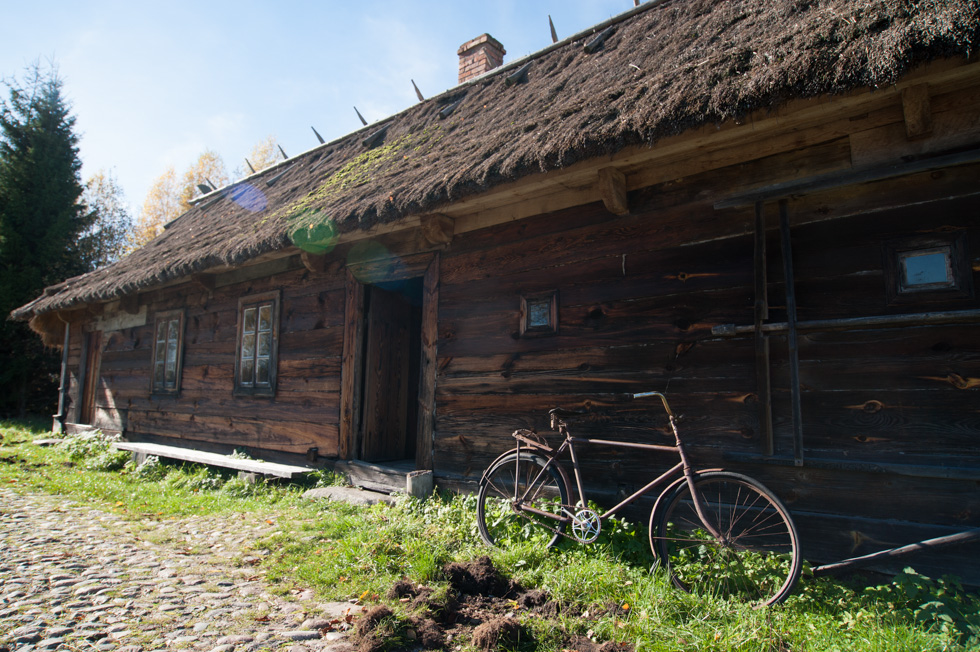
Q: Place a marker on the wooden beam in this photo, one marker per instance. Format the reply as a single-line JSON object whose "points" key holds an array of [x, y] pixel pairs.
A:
{"points": [[917, 110], [927, 545], [436, 230], [612, 189], [851, 177], [853, 323]]}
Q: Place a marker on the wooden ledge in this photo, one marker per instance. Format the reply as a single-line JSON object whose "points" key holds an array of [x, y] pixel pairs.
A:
{"points": [[214, 459]]}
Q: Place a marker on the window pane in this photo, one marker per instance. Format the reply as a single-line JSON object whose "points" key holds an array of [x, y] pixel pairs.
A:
{"points": [[925, 268], [265, 344], [171, 375], [248, 370], [539, 313], [158, 374], [171, 352], [173, 330], [265, 317], [161, 331], [248, 346], [248, 321], [161, 351], [262, 371]]}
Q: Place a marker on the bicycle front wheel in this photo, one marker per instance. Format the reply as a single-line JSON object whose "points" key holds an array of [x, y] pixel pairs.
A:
{"points": [[512, 484], [757, 557]]}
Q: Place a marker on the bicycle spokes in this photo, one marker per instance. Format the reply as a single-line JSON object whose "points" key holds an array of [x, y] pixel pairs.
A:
{"points": [[754, 558]]}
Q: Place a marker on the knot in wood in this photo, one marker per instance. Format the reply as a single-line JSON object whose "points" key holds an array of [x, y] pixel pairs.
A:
{"points": [[872, 406]]}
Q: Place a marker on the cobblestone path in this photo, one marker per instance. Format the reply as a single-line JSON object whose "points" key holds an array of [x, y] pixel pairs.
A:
{"points": [[77, 578]]}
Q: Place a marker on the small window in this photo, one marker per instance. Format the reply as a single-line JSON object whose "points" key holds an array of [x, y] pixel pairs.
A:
{"points": [[258, 335], [168, 341], [928, 269], [539, 314]]}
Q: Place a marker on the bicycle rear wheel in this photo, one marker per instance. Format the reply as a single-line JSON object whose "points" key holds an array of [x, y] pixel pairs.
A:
{"points": [[757, 558], [512, 483]]}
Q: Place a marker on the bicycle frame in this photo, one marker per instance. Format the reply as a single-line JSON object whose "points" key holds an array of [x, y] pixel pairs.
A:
{"points": [[682, 468]]}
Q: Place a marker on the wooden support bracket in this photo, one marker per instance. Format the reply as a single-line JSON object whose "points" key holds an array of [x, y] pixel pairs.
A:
{"points": [[130, 303], [612, 189], [206, 281], [917, 110], [436, 230], [315, 263]]}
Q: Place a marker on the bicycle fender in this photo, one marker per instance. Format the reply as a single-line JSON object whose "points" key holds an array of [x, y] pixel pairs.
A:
{"points": [[513, 451], [483, 476]]}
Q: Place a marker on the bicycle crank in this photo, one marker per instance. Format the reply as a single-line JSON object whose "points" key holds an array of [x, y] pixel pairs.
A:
{"points": [[586, 526]]}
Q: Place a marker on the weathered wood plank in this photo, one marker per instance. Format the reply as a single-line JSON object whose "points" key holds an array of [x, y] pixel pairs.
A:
{"points": [[214, 459]]}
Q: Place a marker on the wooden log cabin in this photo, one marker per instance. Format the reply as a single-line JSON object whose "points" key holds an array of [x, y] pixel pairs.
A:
{"points": [[769, 209]]}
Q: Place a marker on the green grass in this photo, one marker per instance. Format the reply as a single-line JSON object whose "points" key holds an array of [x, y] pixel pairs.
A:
{"points": [[342, 552]]}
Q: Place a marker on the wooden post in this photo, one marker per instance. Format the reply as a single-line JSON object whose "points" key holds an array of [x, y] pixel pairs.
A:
{"points": [[762, 365], [350, 383], [427, 372], [794, 351], [59, 418]]}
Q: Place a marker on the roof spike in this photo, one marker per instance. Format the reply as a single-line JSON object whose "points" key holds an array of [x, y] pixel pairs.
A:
{"points": [[599, 39], [211, 183], [204, 188], [363, 121], [636, 3], [519, 76], [249, 164], [285, 156], [448, 111], [318, 136], [554, 34], [376, 138], [417, 91]]}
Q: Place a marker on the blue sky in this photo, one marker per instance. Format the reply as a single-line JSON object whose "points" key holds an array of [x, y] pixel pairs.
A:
{"points": [[155, 84]]}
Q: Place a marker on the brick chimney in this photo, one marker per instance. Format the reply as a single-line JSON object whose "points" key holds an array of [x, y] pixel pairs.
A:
{"points": [[482, 54]]}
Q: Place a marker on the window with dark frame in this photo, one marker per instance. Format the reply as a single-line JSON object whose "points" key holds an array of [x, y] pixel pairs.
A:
{"points": [[928, 269], [539, 314], [258, 335], [168, 336]]}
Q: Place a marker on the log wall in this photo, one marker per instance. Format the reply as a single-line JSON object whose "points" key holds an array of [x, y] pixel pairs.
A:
{"points": [[304, 412]]}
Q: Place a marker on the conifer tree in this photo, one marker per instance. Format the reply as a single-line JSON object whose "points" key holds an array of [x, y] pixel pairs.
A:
{"points": [[41, 224]]}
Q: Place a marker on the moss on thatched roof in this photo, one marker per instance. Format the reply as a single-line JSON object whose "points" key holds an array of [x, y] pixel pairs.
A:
{"points": [[663, 69]]}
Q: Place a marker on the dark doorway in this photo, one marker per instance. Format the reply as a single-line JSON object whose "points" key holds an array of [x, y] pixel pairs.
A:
{"points": [[392, 354]]}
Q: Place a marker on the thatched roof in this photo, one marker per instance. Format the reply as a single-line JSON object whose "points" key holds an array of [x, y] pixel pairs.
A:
{"points": [[664, 68]]}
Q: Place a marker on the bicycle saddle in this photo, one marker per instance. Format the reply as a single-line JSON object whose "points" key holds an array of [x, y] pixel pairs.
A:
{"points": [[561, 413]]}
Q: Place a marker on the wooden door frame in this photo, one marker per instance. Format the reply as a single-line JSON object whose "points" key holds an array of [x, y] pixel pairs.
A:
{"points": [[89, 371], [425, 266]]}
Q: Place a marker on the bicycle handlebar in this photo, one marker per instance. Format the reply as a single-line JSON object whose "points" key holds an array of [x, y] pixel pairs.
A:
{"points": [[663, 399]]}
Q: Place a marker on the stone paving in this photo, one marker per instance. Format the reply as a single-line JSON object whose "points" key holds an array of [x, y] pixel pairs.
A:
{"points": [[76, 578]]}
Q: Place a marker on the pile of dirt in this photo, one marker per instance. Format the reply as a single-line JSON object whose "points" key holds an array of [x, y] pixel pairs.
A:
{"points": [[480, 606]]}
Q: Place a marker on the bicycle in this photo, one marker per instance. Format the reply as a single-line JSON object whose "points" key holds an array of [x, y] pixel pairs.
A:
{"points": [[713, 530]]}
